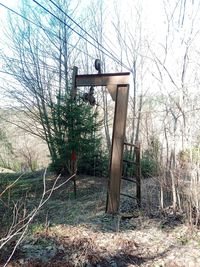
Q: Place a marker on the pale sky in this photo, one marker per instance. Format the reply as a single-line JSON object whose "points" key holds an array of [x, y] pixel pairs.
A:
{"points": [[153, 26]]}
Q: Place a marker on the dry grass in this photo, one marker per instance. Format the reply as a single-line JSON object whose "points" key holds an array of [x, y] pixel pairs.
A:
{"points": [[77, 232]]}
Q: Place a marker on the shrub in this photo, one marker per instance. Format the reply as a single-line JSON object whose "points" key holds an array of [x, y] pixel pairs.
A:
{"points": [[149, 166]]}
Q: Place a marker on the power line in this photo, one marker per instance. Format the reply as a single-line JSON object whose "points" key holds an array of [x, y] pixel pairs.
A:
{"points": [[109, 55], [80, 27], [48, 31], [44, 29]]}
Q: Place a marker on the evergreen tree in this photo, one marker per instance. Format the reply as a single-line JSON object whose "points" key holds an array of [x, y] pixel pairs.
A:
{"points": [[80, 135]]}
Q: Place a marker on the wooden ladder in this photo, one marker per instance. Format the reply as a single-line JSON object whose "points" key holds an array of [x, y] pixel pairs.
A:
{"points": [[137, 177]]}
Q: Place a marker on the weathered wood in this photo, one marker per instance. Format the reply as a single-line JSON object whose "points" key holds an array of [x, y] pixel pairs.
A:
{"points": [[125, 195], [129, 144], [118, 87], [74, 88], [129, 161], [138, 174], [103, 79], [128, 179], [73, 157], [118, 137]]}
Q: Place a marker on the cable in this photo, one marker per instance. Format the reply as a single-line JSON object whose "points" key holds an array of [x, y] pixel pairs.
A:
{"points": [[86, 32], [43, 28], [108, 55], [46, 30]]}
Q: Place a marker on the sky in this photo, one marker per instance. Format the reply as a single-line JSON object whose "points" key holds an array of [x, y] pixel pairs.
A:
{"points": [[152, 13], [154, 26]]}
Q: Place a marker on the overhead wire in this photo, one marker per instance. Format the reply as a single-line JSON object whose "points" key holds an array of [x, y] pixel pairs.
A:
{"points": [[88, 34], [43, 28], [47, 30], [80, 35]]}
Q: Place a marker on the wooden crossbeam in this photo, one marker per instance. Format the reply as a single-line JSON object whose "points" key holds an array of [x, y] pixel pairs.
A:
{"points": [[103, 79], [129, 179], [129, 161], [118, 87], [129, 144], [125, 195]]}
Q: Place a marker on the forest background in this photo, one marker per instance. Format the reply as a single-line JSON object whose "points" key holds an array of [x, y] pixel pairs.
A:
{"points": [[157, 43]]}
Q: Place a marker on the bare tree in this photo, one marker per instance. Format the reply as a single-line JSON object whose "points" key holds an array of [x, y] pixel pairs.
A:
{"points": [[42, 57], [20, 225]]}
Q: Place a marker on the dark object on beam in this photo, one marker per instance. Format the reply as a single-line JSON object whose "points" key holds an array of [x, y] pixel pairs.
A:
{"points": [[89, 97]]}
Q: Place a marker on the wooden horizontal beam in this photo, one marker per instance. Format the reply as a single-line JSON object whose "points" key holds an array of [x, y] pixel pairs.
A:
{"points": [[125, 195], [129, 144], [128, 179], [103, 79]]}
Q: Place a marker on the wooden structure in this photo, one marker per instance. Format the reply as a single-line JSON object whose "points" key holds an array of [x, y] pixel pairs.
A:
{"points": [[137, 177], [118, 87]]}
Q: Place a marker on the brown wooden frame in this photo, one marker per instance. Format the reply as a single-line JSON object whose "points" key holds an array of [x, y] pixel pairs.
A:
{"points": [[118, 86]]}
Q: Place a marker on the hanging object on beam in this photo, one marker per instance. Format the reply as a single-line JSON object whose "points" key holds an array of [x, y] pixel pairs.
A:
{"points": [[97, 65], [89, 97]]}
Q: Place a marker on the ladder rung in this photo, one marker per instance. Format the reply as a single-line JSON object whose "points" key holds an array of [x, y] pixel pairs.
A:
{"points": [[129, 179], [128, 196], [129, 144], [129, 161]]}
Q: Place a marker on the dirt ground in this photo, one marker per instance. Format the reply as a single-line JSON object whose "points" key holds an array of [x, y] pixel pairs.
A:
{"points": [[77, 232]]}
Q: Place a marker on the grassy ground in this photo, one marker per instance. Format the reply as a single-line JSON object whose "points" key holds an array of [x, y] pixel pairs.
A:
{"points": [[77, 232]]}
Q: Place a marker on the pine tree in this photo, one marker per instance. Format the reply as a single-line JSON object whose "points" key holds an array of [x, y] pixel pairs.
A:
{"points": [[79, 126]]}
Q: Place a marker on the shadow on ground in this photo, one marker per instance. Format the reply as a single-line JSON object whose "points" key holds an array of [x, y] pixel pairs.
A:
{"points": [[42, 249], [81, 252]]}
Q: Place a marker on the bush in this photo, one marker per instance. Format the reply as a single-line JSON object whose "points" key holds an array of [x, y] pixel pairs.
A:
{"points": [[151, 158], [95, 165], [188, 156], [149, 166]]}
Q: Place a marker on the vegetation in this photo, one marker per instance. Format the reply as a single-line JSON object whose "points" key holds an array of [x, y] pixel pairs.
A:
{"points": [[43, 124], [79, 125]]}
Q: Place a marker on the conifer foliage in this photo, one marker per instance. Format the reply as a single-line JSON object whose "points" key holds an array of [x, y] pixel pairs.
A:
{"points": [[79, 127]]}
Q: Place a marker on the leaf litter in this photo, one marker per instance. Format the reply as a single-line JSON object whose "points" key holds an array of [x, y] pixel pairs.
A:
{"points": [[92, 238]]}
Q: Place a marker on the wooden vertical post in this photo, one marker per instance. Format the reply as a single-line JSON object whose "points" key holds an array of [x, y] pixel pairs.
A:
{"points": [[138, 174], [118, 138], [118, 86], [73, 156], [74, 88]]}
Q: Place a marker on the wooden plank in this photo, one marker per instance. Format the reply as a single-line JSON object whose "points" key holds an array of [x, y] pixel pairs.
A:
{"points": [[138, 174], [129, 179], [74, 88], [112, 89], [127, 196], [129, 144], [116, 160], [103, 79], [129, 161]]}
